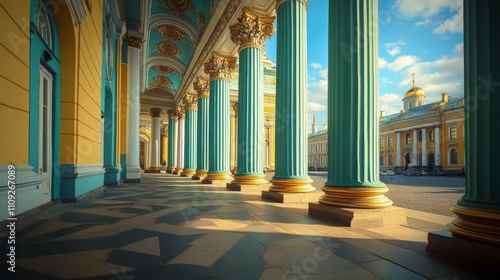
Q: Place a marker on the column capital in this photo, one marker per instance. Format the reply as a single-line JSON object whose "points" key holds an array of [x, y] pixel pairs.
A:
{"points": [[181, 114], [155, 112], [202, 87], [164, 130], [235, 107], [220, 67], [279, 2], [190, 101], [252, 30], [134, 42], [171, 114]]}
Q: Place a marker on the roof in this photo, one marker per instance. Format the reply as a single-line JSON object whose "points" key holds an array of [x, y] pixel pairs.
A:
{"points": [[423, 110], [319, 133]]}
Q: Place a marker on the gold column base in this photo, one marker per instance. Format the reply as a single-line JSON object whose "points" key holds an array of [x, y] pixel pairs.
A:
{"points": [[201, 173], [170, 169], [219, 176], [291, 185], [481, 225], [249, 179], [189, 172], [155, 168], [178, 170], [365, 198]]}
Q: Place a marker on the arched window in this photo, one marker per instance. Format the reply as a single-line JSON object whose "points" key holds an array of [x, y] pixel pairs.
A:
{"points": [[389, 159], [453, 156], [389, 141], [43, 24], [381, 160]]}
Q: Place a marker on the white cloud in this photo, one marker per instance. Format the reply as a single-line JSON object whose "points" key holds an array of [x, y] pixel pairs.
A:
{"points": [[425, 8], [452, 25], [398, 64], [315, 65], [316, 107], [390, 103], [445, 74], [423, 22], [394, 48]]}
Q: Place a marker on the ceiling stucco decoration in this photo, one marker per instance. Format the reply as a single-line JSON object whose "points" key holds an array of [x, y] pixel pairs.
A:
{"points": [[163, 69], [161, 81], [180, 7], [167, 48], [171, 33], [156, 91]]}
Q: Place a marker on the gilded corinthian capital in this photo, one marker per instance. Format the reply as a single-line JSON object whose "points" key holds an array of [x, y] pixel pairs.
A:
{"points": [[220, 67], [180, 113], [252, 30], [155, 112], [202, 87], [190, 102], [171, 114]]}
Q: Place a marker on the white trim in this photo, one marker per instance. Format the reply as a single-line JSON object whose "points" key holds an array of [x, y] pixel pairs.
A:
{"points": [[405, 129], [454, 120], [81, 170], [25, 175], [77, 10]]}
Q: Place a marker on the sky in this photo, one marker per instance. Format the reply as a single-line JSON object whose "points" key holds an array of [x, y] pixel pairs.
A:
{"points": [[424, 37]]}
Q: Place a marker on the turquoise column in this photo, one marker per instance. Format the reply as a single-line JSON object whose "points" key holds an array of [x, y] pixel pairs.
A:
{"points": [[478, 210], [219, 68], [291, 99], [353, 150], [172, 154], [190, 103], [202, 86], [250, 34]]}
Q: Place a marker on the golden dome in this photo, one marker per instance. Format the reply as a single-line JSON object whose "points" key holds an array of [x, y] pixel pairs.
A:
{"points": [[414, 91]]}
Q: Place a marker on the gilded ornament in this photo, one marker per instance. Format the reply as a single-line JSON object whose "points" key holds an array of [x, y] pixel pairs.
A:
{"points": [[270, 81], [134, 42], [220, 67], [201, 86], [190, 102], [180, 113], [164, 130], [161, 81], [177, 6], [156, 91], [252, 30], [171, 114], [155, 112], [164, 69], [170, 32], [167, 48]]}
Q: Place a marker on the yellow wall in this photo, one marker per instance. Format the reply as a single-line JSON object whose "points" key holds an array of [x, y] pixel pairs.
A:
{"points": [[81, 67], [14, 81], [122, 110]]}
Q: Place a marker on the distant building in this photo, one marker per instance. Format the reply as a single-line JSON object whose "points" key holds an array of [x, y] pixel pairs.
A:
{"points": [[422, 136]]}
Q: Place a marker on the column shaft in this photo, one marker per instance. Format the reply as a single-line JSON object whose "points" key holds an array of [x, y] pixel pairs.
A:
{"points": [[172, 153], [398, 149], [155, 139], [424, 147], [437, 137], [478, 210], [190, 142], [353, 177], [218, 151], [250, 118], [180, 144], [414, 146], [291, 99], [202, 147], [134, 106]]}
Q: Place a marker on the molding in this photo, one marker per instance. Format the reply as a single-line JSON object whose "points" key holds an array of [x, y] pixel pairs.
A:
{"points": [[72, 171], [77, 10], [25, 176]]}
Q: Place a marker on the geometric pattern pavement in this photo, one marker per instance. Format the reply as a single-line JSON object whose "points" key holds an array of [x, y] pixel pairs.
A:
{"points": [[168, 227]]}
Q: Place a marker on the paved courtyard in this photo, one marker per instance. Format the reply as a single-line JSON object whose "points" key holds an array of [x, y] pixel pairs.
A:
{"points": [[167, 227]]}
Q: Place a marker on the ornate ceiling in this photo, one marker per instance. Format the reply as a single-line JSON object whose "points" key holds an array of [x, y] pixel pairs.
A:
{"points": [[179, 37]]}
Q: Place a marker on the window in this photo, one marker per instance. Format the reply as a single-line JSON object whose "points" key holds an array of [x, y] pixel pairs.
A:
{"points": [[381, 159], [407, 138], [389, 141], [389, 159], [420, 136], [381, 142], [453, 156], [431, 135], [43, 24], [453, 132]]}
